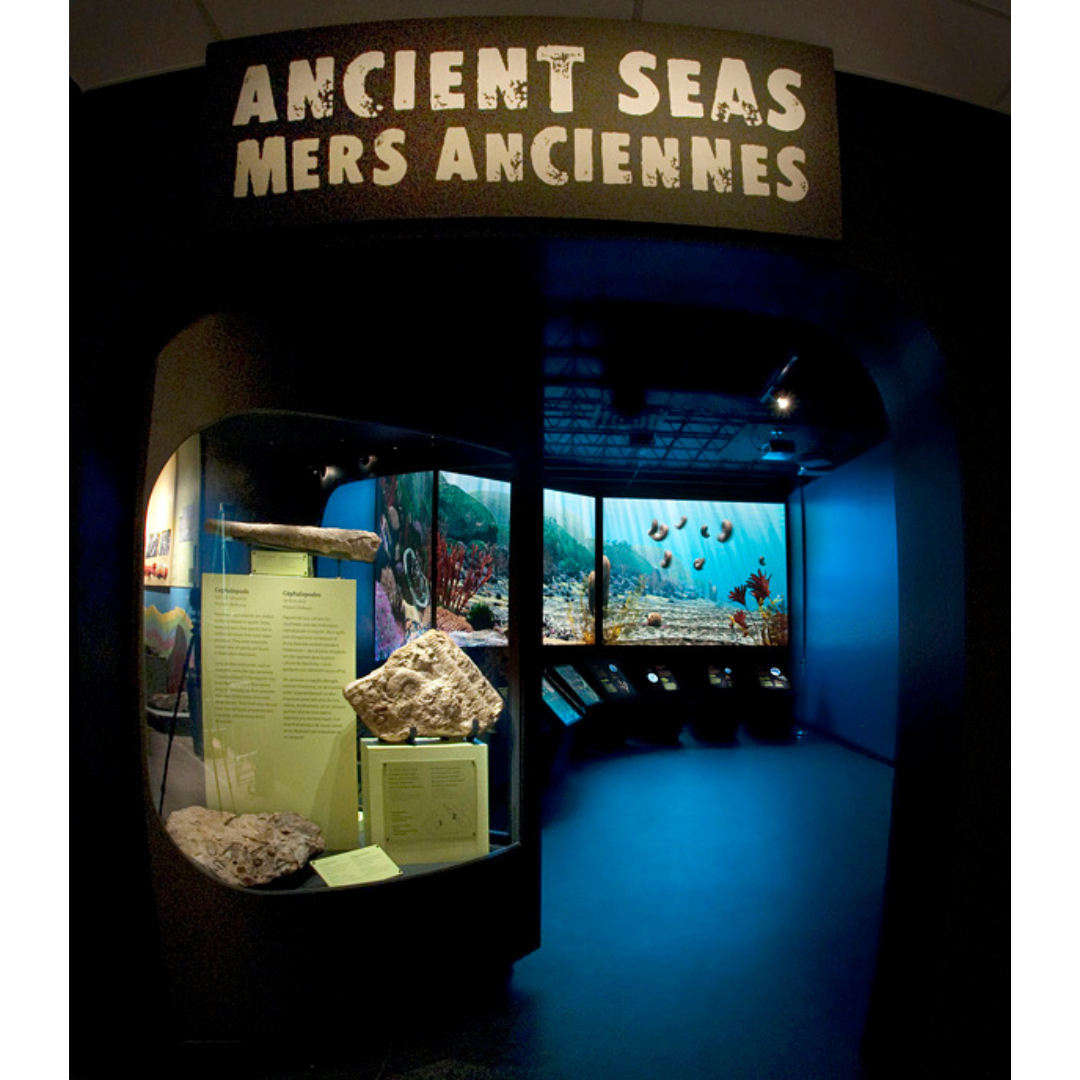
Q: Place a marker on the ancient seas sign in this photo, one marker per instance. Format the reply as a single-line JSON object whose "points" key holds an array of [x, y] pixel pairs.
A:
{"points": [[574, 118]]}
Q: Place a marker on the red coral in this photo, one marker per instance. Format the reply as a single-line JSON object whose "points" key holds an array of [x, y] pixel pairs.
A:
{"points": [[460, 574], [738, 594], [758, 584]]}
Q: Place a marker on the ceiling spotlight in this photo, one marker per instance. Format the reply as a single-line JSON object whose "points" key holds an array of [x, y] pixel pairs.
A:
{"points": [[330, 476], [783, 403], [772, 393]]}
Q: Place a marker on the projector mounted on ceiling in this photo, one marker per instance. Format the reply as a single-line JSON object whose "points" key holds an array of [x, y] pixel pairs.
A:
{"points": [[778, 450]]}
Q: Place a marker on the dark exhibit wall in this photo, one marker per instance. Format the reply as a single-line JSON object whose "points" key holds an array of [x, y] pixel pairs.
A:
{"points": [[848, 635], [438, 327]]}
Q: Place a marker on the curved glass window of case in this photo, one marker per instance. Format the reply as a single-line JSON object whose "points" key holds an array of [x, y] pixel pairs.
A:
{"points": [[286, 558]]}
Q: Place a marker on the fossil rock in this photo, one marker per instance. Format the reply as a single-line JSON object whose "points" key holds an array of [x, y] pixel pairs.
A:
{"points": [[167, 702], [430, 685], [353, 544], [245, 849]]}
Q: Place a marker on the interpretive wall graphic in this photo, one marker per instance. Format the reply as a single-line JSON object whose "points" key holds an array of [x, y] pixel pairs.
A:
{"points": [[171, 513], [160, 512], [524, 117], [278, 733]]}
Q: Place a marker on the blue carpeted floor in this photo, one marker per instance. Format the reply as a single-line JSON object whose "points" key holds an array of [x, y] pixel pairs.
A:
{"points": [[708, 912]]}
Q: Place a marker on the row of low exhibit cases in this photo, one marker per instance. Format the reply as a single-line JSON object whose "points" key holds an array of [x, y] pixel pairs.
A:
{"points": [[600, 703]]}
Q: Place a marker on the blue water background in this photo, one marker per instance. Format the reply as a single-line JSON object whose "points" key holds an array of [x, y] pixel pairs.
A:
{"points": [[575, 513], [352, 506]]}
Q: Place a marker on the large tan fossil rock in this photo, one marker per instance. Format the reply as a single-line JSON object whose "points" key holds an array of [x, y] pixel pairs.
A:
{"points": [[430, 685], [245, 849], [353, 544]]}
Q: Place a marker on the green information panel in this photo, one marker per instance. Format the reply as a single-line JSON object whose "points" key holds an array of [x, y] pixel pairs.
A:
{"points": [[279, 735]]}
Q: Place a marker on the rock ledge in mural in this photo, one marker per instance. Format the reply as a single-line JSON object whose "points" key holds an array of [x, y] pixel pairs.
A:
{"points": [[245, 849], [429, 685], [353, 544]]}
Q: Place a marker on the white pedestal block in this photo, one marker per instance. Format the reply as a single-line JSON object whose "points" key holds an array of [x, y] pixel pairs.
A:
{"points": [[425, 803]]}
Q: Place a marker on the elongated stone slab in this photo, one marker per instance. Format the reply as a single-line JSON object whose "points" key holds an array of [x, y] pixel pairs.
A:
{"points": [[353, 544], [245, 849], [430, 685]]}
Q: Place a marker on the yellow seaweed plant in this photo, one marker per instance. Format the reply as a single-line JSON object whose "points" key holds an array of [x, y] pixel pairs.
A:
{"points": [[617, 620]]}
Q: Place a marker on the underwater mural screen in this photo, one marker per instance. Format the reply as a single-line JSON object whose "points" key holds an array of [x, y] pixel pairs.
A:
{"points": [[569, 568], [403, 563], [472, 552], [682, 572]]}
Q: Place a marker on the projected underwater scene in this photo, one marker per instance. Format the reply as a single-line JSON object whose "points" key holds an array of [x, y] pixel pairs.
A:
{"points": [[680, 572], [472, 573], [569, 568], [403, 564]]}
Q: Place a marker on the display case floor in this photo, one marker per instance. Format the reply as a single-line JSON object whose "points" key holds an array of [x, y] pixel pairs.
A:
{"points": [[708, 912]]}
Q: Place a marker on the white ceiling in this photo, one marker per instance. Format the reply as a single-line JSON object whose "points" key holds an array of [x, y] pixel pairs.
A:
{"points": [[958, 48]]}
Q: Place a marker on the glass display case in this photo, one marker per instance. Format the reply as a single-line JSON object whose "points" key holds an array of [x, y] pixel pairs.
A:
{"points": [[332, 697], [326, 624]]}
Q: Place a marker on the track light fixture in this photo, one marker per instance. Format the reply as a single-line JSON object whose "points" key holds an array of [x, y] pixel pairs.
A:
{"points": [[782, 401]]}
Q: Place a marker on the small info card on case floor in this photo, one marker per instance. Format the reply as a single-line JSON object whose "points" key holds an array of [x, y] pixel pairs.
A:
{"points": [[358, 867]]}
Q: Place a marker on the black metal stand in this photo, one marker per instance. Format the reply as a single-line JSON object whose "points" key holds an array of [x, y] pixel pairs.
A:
{"points": [[176, 711], [473, 735]]}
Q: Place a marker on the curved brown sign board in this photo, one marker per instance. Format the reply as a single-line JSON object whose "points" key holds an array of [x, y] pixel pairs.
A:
{"points": [[534, 117]]}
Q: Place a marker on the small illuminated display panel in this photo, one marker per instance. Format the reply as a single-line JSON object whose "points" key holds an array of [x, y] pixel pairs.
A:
{"points": [[720, 677], [576, 681], [660, 676], [559, 705], [773, 679], [611, 678]]}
